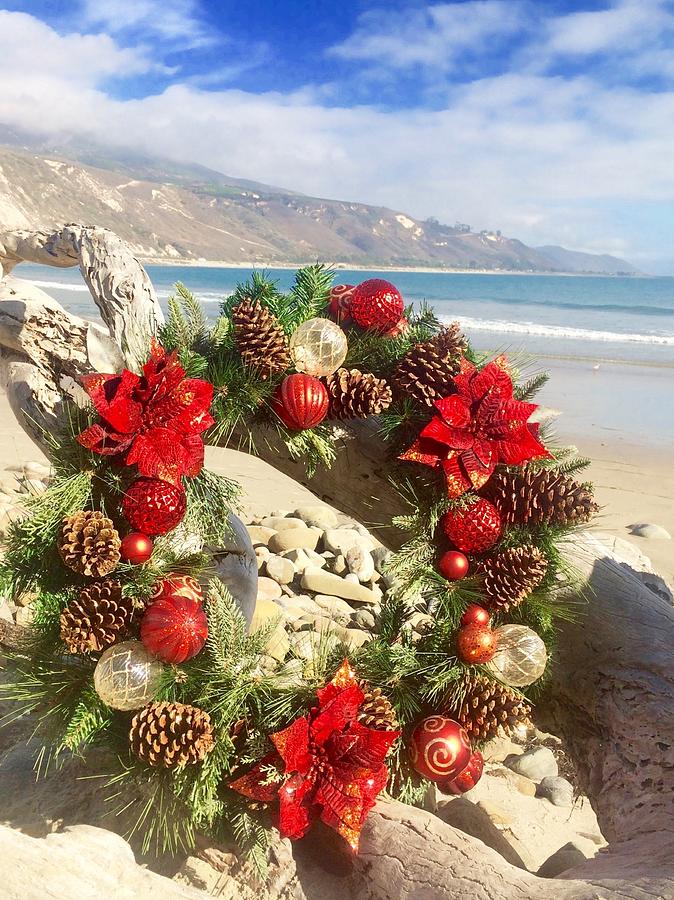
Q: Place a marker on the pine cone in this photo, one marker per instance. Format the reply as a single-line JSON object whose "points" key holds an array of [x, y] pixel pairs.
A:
{"points": [[89, 543], [487, 706], [540, 498], [376, 710], [354, 395], [260, 339], [425, 372], [98, 616], [167, 735], [510, 576]]}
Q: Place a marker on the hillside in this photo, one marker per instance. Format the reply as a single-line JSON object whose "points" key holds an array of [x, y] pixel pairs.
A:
{"points": [[170, 212], [574, 261]]}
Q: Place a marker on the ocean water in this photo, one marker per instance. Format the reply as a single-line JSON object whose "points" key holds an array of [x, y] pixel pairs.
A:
{"points": [[629, 320]]}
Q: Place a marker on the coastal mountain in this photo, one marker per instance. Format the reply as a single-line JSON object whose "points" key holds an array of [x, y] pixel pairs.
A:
{"points": [[167, 211]]}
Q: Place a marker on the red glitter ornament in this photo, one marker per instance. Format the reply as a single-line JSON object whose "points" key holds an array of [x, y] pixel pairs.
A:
{"points": [[475, 615], [474, 528], [136, 548], [453, 565], [467, 779], [176, 585], [154, 507], [377, 304], [339, 303], [301, 401], [476, 644], [174, 629], [439, 748]]}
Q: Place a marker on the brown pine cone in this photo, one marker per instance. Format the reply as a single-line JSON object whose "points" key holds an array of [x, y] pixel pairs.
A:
{"points": [[354, 395], [97, 618], [260, 339], [485, 706], [376, 710], [168, 735], [545, 497], [425, 372], [89, 543], [510, 576]]}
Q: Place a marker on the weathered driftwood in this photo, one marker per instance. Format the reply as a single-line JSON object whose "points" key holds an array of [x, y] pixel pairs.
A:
{"points": [[612, 688]]}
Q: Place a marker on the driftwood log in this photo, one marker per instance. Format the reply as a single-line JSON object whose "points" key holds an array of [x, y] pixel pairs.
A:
{"points": [[612, 688]]}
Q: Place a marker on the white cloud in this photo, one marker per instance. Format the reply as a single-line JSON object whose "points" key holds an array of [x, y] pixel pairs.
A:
{"points": [[176, 20]]}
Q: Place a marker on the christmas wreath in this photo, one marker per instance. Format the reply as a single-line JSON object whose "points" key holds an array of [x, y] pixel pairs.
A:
{"points": [[136, 644]]}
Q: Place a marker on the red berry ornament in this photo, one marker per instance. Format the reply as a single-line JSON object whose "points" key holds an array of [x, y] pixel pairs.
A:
{"points": [[466, 779], [339, 303], [475, 615], [152, 506], [439, 748], [174, 629], [176, 585], [475, 528], [476, 644], [377, 304], [453, 565], [301, 401], [136, 548]]}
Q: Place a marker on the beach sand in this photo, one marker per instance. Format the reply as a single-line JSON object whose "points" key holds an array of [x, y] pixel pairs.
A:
{"points": [[633, 483]]}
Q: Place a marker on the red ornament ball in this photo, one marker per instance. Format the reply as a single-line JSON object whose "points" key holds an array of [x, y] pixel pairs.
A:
{"points": [[176, 585], [154, 507], [475, 615], [301, 401], [339, 303], [467, 779], [174, 629], [476, 644], [400, 328], [377, 304], [453, 565], [136, 548], [439, 748], [474, 528]]}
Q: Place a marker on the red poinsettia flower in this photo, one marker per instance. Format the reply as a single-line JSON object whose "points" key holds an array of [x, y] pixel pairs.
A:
{"points": [[478, 427], [327, 765], [155, 418]]}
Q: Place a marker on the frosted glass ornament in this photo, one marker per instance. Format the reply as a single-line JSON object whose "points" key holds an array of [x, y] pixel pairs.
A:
{"points": [[126, 676], [521, 656], [318, 347]]}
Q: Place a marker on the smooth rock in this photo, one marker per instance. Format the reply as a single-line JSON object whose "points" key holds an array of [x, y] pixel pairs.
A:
{"points": [[321, 516], [355, 638], [280, 569], [36, 470], [280, 523], [338, 565], [25, 615], [565, 858], [363, 618], [265, 610], [259, 534], [535, 764], [420, 621], [278, 645], [647, 530], [5, 611], [500, 747], [556, 789], [339, 540], [333, 604], [351, 578], [295, 539], [360, 563], [380, 555], [322, 582], [262, 554], [524, 785], [268, 589]]}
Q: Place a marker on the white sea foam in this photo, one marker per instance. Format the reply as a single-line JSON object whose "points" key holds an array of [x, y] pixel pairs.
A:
{"points": [[560, 331], [59, 285]]}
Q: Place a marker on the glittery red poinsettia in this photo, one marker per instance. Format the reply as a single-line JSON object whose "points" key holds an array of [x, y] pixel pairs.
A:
{"points": [[156, 418], [478, 427], [327, 765]]}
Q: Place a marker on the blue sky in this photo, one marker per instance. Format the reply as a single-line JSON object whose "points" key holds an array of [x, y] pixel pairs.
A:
{"points": [[552, 121]]}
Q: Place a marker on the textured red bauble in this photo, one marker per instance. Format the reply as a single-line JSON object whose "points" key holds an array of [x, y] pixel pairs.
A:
{"points": [[467, 779], [339, 303], [136, 548], [474, 528], [153, 506], [174, 629], [439, 748], [177, 585], [301, 401], [475, 615], [377, 304], [453, 565], [476, 644]]}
